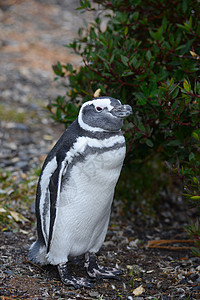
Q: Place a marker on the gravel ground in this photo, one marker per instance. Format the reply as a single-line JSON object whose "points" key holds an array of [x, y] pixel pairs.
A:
{"points": [[32, 34]]}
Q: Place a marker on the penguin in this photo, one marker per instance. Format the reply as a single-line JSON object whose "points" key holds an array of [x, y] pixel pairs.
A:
{"points": [[76, 188]]}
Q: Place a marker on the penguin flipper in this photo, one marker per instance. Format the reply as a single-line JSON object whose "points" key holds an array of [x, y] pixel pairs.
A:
{"points": [[55, 185], [96, 271], [68, 279]]}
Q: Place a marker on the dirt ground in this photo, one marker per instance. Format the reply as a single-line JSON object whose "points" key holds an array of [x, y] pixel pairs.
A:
{"points": [[32, 36], [148, 273]]}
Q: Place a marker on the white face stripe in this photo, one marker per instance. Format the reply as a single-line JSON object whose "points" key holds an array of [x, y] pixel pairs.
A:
{"points": [[102, 102], [87, 127]]}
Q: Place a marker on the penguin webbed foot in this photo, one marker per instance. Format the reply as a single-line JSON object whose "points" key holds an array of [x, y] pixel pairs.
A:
{"points": [[99, 272], [68, 279]]}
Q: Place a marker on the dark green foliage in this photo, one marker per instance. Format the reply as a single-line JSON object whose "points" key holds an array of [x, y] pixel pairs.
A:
{"points": [[194, 232], [147, 57]]}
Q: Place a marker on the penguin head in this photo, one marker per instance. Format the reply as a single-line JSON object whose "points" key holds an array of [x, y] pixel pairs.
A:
{"points": [[103, 114]]}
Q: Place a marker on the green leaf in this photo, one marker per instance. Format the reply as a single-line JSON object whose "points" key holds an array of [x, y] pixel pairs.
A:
{"points": [[133, 61], [58, 113], [174, 143], [181, 26], [149, 143], [84, 4], [190, 22], [135, 15], [164, 122], [126, 30], [187, 27], [141, 126], [195, 198], [195, 180], [191, 156], [142, 101], [164, 23], [148, 55], [186, 85], [69, 68], [198, 87], [184, 5], [195, 87], [124, 59], [127, 73], [195, 136], [58, 69], [158, 35], [174, 92]]}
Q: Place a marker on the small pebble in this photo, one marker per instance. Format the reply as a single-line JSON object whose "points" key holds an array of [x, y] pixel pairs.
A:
{"points": [[198, 268], [9, 272], [93, 294], [108, 243], [134, 244]]}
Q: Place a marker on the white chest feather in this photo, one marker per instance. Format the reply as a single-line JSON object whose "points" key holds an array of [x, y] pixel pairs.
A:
{"points": [[93, 180], [85, 197]]}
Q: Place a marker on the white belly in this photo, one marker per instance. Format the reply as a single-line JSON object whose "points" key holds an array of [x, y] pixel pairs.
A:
{"points": [[84, 207]]}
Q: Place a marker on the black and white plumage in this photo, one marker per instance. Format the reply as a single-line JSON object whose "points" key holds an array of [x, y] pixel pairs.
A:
{"points": [[76, 187]]}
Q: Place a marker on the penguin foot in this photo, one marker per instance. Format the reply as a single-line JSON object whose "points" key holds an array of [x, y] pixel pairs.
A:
{"points": [[96, 271], [68, 279]]}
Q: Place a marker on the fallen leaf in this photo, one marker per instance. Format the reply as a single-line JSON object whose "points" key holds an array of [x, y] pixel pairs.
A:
{"points": [[138, 291], [23, 176], [23, 231], [48, 137], [2, 210], [97, 93], [193, 54], [2, 191], [138, 279], [129, 267], [149, 271], [4, 229], [9, 192], [18, 217]]}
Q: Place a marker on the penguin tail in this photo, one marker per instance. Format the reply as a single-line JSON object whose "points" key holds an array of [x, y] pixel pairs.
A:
{"points": [[37, 254]]}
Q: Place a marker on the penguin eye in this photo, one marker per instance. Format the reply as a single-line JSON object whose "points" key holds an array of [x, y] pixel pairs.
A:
{"points": [[99, 108]]}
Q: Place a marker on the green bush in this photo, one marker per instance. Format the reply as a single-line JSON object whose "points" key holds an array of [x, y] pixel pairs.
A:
{"points": [[148, 57]]}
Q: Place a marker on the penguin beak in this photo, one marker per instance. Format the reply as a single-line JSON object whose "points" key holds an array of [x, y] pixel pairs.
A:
{"points": [[122, 111]]}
